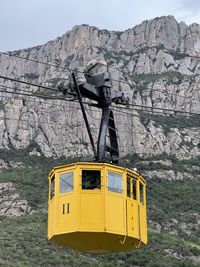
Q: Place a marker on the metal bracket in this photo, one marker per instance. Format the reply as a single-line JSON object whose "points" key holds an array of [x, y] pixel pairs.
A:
{"points": [[99, 89]]}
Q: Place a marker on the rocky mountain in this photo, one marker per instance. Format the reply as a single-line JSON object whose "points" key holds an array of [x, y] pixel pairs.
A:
{"points": [[156, 64]]}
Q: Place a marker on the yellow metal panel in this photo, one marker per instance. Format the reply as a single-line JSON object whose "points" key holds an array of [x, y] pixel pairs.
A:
{"points": [[132, 218], [135, 219], [143, 223], [67, 212], [115, 216], [129, 217], [142, 211], [97, 243], [51, 210], [51, 216], [91, 210]]}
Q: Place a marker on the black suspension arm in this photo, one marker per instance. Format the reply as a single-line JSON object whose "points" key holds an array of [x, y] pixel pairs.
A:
{"points": [[84, 115]]}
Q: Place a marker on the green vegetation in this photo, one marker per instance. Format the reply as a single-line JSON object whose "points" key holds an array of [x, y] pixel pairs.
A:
{"points": [[24, 241], [31, 76], [169, 199], [47, 92], [54, 81], [170, 77], [177, 55], [177, 165], [51, 84], [2, 104], [171, 121], [156, 253]]}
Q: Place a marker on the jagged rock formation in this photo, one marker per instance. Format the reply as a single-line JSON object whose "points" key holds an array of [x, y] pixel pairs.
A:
{"points": [[11, 204], [156, 63]]}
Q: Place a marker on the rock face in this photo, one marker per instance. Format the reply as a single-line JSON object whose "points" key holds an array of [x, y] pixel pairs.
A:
{"points": [[11, 205], [156, 64]]}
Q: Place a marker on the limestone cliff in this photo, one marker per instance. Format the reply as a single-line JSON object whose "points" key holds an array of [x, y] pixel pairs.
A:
{"points": [[156, 63]]}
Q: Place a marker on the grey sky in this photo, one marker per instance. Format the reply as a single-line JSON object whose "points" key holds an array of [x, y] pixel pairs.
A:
{"points": [[25, 23]]}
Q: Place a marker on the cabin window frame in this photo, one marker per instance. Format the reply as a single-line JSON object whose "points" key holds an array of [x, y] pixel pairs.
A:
{"points": [[131, 183], [64, 183], [52, 187], [88, 182], [134, 194], [128, 186], [142, 199], [113, 187]]}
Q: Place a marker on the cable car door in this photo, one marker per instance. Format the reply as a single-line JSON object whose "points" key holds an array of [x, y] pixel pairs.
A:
{"points": [[91, 199], [132, 208], [51, 205], [114, 202], [142, 212]]}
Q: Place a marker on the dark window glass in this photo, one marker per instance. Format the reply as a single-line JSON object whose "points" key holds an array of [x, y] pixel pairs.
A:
{"points": [[134, 189], [91, 179], [66, 182], [128, 187], [141, 193], [52, 187]]}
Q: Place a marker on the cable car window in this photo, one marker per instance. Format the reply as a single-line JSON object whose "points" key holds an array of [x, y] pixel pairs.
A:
{"points": [[141, 193], [134, 183], [91, 179], [128, 187], [52, 187], [66, 182], [114, 182]]}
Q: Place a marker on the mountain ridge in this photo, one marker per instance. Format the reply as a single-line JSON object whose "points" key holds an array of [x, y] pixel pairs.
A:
{"points": [[143, 62], [170, 18]]}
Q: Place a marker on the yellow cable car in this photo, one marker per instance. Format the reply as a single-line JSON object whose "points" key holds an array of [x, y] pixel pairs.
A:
{"points": [[97, 207]]}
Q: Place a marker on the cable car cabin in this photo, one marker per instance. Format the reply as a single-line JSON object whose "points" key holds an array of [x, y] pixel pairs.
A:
{"points": [[97, 207]]}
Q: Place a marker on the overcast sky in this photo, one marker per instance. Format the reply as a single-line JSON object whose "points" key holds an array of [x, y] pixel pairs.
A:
{"points": [[26, 23]]}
